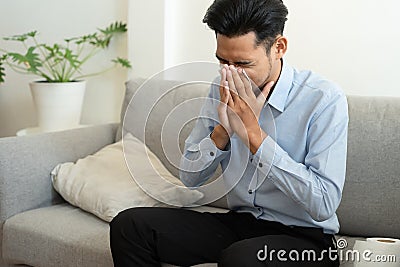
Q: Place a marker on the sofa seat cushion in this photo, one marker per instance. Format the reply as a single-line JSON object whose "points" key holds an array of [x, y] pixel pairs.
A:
{"points": [[60, 235], [63, 235]]}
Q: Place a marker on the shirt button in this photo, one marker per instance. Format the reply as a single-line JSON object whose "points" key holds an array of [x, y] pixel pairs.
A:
{"points": [[212, 154], [250, 191], [260, 165]]}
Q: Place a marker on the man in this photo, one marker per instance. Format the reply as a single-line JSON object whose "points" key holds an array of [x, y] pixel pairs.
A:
{"points": [[282, 150]]}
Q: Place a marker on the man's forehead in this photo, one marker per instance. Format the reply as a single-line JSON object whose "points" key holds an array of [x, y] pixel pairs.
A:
{"points": [[241, 48]]}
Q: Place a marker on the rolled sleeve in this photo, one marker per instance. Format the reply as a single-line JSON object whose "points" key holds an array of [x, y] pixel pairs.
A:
{"points": [[200, 162]]}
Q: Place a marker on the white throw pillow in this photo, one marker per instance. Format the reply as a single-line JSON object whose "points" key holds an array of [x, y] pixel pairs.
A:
{"points": [[102, 184]]}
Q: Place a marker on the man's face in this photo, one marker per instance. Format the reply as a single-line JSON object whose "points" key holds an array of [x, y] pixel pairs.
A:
{"points": [[241, 51]]}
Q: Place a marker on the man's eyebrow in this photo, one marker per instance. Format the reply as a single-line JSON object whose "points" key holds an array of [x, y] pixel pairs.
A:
{"points": [[220, 58], [242, 62]]}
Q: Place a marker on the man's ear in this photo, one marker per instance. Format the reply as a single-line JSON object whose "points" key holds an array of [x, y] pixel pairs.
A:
{"points": [[280, 47]]}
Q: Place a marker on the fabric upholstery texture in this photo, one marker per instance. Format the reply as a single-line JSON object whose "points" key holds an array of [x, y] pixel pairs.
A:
{"points": [[145, 119], [60, 235], [150, 127], [26, 162], [131, 87], [66, 230], [371, 193]]}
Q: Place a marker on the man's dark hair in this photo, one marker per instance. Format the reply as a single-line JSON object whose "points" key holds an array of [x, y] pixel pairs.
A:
{"points": [[232, 18]]}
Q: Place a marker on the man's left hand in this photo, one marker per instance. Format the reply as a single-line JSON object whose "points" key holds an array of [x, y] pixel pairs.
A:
{"points": [[244, 107]]}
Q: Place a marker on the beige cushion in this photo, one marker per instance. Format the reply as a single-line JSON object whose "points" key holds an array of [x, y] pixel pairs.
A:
{"points": [[102, 184]]}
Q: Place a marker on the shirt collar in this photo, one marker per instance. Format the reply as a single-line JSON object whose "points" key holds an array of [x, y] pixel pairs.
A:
{"points": [[282, 88]]}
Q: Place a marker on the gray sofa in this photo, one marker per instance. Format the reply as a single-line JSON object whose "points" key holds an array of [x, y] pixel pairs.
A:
{"points": [[38, 228]]}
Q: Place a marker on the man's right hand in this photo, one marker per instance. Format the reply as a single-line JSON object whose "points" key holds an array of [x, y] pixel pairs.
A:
{"points": [[223, 131]]}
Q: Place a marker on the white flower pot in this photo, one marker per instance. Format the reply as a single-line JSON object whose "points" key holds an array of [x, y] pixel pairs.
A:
{"points": [[58, 105]]}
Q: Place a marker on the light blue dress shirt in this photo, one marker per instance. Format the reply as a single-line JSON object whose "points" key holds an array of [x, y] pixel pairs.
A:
{"points": [[297, 175]]}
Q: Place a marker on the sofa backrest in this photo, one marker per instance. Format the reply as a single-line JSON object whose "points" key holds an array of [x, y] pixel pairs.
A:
{"points": [[161, 113], [369, 205], [372, 188]]}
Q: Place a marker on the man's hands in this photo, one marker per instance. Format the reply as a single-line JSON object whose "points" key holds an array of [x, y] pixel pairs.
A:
{"points": [[240, 109], [223, 131]]}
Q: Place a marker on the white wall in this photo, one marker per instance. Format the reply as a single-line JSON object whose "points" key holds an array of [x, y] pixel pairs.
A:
{"points": [[167, 33], [56, 20], [146, 38], [354, 43], [187, 39]]}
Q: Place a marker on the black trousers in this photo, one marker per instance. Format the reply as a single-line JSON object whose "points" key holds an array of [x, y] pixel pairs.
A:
{"points": [[149, 236]]}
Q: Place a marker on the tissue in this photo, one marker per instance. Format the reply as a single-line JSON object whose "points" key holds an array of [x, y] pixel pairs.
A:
{"points": [[378, 252]]}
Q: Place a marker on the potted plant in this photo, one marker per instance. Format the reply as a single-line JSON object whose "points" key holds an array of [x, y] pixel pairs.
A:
{"points": [[58, 95]]}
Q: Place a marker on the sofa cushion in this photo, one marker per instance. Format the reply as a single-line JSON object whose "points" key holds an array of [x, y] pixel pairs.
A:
{"points": [[369, 205], [63, 235], [26, 163], [102, 184], [149, 120], [165, 119], [60, 235]]}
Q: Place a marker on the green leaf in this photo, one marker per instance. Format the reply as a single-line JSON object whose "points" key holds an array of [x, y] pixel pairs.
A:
{"points": [[21, 37], [31, 59], [54, 51], [104, 40], [32, 34], [103, 43], [71, 58], [123, 62], [83, 39], [116, 27]]}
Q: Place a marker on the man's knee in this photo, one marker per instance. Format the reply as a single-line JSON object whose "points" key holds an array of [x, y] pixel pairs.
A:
{"points": [[121, 220], [253, 253], [239, 254], [128, 223]]}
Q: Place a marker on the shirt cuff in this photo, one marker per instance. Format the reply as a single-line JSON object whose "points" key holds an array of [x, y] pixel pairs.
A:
{"points": [[265, 156], [208, 150], [208, 146]]}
